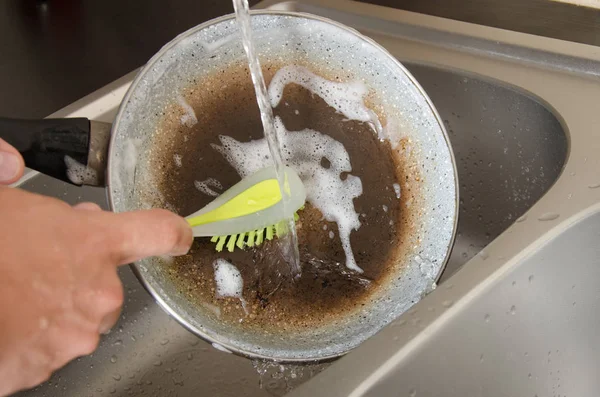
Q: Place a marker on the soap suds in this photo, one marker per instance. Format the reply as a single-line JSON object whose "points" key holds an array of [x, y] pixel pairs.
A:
{"points": [[303, 151], [80, 174], [189, 117], [177, 158], [346, 98], [393, 132], [397, 189], [228, 280], [207, 185]]}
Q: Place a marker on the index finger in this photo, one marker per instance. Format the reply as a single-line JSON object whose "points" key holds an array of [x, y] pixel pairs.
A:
{"points": [[139, 234]]}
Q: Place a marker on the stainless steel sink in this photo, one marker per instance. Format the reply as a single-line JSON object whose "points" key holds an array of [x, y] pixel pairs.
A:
{"points": [[509, 150], [520, 111]]}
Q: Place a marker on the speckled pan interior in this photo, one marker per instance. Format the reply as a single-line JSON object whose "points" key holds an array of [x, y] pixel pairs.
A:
{"points": [[331, 48]]}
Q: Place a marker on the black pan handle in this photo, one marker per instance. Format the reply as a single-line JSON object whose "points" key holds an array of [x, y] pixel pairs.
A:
{"points": [[56, 147]]}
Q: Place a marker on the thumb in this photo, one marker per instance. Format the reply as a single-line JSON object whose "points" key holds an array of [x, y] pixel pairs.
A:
{"points": [[11, 164], [139, 234]]}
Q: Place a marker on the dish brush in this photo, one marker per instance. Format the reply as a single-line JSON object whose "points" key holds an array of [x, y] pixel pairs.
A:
{"points": [[251, 211]]}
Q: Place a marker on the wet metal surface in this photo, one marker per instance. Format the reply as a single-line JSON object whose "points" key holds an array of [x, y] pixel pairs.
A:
{"points": [[487, 124]]}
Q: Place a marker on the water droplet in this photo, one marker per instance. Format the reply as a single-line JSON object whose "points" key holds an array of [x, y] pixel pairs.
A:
{"points": [[548, 216], [594, 186], [513, 310], [190, 356], [481, 358], [113, 359], [530, 279], [522, 219], [447, 303], [164, 341], [112, 391], [448, 285], [133, 338], [157, 363], [514, 283], [116, 377], [483, 254], [487, 318], [118, 342], [529, 376], [412, 393]]}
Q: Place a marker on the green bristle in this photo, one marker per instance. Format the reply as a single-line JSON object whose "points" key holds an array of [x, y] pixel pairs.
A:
{"points": [[231, 243], [250, 241], [240, 241], [252, 238], [221, 243], [260, 235]]}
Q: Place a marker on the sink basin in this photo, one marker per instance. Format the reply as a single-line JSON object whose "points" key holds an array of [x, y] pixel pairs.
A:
{"points": [[509, 150], [521, 156]]}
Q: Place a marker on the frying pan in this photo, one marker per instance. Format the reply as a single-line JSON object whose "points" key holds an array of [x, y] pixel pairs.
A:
{"points": [[78, 151]]}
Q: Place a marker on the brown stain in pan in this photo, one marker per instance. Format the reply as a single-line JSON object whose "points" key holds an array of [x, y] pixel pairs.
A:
{"points": [[326, 292]]}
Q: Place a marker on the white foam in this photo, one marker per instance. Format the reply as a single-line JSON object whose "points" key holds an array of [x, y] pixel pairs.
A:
{"points": [[189, 117], [393, 132], [78, 173], [385, 208], [229, 281], [331, 234], [177, 159], [304, 150], [346, 98], [397, 189], [207, 185]]}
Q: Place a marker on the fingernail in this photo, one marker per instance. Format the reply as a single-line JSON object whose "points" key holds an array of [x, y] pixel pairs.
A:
{"points": [[9, 166], [185, 241]]}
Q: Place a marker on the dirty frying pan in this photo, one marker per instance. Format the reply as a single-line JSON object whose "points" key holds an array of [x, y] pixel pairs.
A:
{"points": [[82, 152]]}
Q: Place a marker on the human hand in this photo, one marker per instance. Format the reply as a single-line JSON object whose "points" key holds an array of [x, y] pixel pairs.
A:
{"points": [[59, 287], [11, 164]]}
